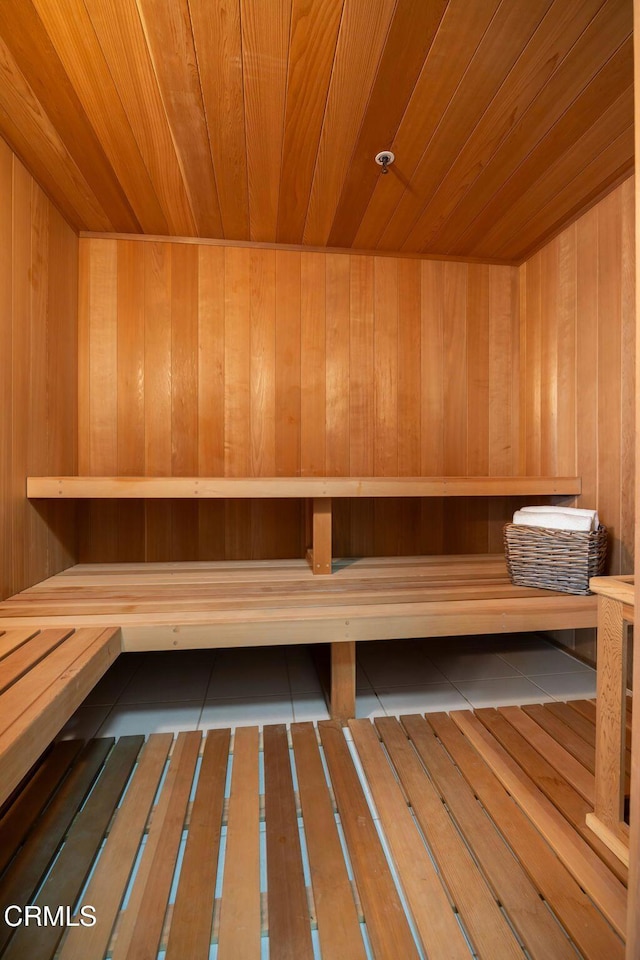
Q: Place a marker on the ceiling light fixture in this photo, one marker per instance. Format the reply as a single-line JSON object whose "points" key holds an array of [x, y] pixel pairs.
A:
{"points": [[384, 159]]}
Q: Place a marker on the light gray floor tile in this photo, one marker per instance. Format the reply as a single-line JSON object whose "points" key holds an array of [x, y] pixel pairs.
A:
{"points": [[427, 699], [544, 660], [251, 672], [474, 666], [569, 686], [149, 718], [503, 692], [167, 682], [368, 705], [248, 711], [309, 706], [303, 676]]}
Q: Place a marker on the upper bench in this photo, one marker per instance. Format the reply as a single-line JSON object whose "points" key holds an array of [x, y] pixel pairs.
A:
{"points": [[318, 491]]}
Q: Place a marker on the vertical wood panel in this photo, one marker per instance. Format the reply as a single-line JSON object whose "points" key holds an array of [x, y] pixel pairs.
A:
{"points": [[478, 369], [38, 376], [184, 393], [385, 359], [317, 363], [287, 411], [313, 356], [455, 363], [337, 369], [501, 373]]}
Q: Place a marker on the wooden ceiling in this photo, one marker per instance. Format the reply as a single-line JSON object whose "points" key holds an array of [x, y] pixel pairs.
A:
{"points": [[259, 119]]}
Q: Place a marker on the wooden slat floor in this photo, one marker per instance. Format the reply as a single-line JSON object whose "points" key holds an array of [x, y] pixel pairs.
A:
{"points": [[442, 836]]}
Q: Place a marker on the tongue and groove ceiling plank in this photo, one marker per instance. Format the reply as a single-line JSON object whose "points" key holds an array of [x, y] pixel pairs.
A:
{"points": [[259, 120]]}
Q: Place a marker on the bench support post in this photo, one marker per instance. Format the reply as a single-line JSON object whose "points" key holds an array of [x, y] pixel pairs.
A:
{"points": [[343, 680], [319, 556]]}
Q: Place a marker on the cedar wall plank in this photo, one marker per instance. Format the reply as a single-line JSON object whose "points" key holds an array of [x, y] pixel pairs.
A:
{"points": [[312, 364], [576, 371], [259, 363], [38, 375]]}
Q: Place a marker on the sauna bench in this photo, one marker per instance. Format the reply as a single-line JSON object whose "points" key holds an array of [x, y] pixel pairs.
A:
{"points": [[318, 492], [45, 674], [616, 612], [176, 606]]}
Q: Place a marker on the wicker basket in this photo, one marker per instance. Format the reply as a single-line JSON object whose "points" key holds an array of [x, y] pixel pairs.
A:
{"points": [[561, 560]]}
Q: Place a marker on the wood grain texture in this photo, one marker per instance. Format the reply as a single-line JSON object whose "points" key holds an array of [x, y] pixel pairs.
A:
{"points": [[260, 122], [38, 370], [574, 368], [283, 364]]}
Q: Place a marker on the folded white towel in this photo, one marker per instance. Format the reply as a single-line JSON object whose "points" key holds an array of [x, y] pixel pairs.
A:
{"points": [[570, 511], [555, 521]]}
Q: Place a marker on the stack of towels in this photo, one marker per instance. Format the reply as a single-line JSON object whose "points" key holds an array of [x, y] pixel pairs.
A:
{"points": [[558, 518]]}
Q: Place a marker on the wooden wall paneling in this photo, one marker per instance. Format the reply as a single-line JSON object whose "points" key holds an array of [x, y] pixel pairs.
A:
{"points": [[409, 390], [444, 67], [411, 34], [237, 395], [211, 387], [455, 357], [62, 384], [432, 398], [314, 34], [587, 355], [184, 392], [217, 40], [501, 372], [287, 363], [262, 379], [361, 38], [536, 67], [20, 353], [26, 37], [530, 366], [265, 39], [167, 28], [503, 41], [37, 427], [6, 380], [572, 43], [286, 528], [385, 385], [337, 369], [409, 368], [130, 393], [385, 356], [478, 373], [478, 369], [566, 386], [362, 421], [337, 388], [628, 377], [122, 40], [157, 392], [71, 32], [549, 306], [609, 355], [313, 359], [103, 397]]}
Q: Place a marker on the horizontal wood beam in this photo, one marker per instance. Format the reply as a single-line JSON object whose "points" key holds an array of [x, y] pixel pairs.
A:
{"points": [[293, 487]]}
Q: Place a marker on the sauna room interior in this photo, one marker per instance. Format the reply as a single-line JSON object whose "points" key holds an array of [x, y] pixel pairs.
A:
{"points": [[300, 302]]}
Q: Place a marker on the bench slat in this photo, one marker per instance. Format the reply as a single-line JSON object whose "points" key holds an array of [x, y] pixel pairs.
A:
{"points": [[37, 706]]}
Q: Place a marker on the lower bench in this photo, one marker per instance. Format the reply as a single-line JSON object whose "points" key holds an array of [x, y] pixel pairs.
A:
{"points": [[169, 606], [44, 677]]}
